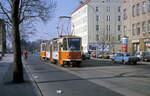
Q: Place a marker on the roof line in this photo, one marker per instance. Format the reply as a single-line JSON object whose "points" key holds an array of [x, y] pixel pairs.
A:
{"points": [[81, 5]]}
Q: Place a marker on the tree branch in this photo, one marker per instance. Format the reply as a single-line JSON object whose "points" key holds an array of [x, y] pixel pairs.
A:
{"points": [[9, 3], [3, 9]]}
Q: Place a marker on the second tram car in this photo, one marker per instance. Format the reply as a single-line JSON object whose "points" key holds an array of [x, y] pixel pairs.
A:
{"points": [[65, 50], [43, 50]]}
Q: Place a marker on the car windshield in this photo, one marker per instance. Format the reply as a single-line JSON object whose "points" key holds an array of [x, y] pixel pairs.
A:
{"points": [[74, 43], [137, 53]]}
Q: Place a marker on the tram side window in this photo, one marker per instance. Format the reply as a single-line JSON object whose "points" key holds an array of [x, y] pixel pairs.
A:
{"points": [[48, 48], [65, 44], [43, 47], [55, 47]]}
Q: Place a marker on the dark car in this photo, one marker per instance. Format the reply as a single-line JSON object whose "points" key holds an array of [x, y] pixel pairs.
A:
{"points": [[146, 58], [85, 56]]}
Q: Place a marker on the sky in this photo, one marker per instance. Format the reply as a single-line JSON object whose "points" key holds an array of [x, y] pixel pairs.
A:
{"points": [[49, 30]]}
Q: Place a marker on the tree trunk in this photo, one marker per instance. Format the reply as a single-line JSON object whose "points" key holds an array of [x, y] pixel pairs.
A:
{"points": [[18, 67], [3, 38]]}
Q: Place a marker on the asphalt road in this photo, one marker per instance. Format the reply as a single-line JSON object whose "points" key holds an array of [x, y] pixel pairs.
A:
{"points": [[56, 81], [129, 80]]}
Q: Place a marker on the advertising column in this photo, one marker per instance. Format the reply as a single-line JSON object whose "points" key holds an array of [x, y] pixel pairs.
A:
{"points": [[124, 44]]}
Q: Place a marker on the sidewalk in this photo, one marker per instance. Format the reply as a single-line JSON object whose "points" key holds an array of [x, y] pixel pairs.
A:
{"points": [[9, 89]]}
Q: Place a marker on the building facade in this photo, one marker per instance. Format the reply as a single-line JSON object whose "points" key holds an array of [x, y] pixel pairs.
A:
{"points": [[97, 22], [136, 24]]}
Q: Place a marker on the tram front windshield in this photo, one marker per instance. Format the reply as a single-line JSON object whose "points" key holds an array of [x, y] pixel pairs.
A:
{"points": [[74, 43]]}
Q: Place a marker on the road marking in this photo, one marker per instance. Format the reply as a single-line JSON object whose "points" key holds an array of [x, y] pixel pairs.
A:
{"points": [[59, 91]]}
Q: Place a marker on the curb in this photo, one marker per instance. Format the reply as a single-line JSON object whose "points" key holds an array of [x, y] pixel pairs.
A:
{"points": [[33, 82]]}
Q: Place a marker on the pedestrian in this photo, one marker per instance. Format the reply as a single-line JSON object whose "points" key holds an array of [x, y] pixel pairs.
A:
{"points": [[25, 54]]}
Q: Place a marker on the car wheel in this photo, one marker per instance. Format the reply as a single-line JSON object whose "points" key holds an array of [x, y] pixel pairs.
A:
{"points": [[135, 63], [124, 62], [113, 61]]}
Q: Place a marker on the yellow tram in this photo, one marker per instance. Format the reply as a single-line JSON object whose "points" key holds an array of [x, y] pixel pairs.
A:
{"points": [[65, 50]]}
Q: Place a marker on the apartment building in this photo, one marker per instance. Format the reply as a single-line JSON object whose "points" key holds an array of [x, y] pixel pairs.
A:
{"points": [[97, 22], [136, 24]]}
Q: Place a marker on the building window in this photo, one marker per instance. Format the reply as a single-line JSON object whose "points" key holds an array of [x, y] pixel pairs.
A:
{"points": [[119, 9], [97, 18], [138, 9], [108, 0], [133, 10], [124, 1], [124, 14], [108, 18], [144, 27], [119, 18], [108, 8], [124, 30], [133, 29], [119, 37], [149, 26], [107, 28], [149, 5], [97, 27], [97, 9], [119, 27], [138, 29], [144, 7]]}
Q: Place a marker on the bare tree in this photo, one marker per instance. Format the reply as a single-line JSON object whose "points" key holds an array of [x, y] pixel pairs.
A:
{"points": [[17, 12], [112, 43], [103, 41]]}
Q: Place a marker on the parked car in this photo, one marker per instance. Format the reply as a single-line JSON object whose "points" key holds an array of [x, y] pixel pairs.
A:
{"points": [[106, 55], [146, 56], [93, 54], [99, 56], [111, 55], [141, 54], [85, 56], [125, 58]]}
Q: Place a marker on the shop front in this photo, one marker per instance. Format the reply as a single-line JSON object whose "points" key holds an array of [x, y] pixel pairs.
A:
{"points": [[136, 46], [147, 45]]}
